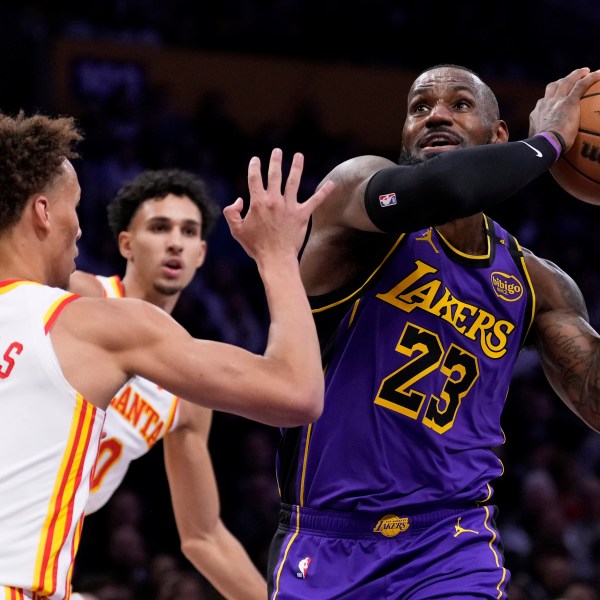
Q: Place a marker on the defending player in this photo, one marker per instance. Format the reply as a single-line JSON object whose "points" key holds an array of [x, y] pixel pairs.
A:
{"points": [[161, 221]]}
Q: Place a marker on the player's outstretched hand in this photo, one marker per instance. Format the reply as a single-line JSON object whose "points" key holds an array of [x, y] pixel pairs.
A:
{"points": [[559, 110], [275, 222]]}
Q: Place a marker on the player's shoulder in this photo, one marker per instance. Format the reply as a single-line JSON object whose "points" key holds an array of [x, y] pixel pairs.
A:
{"points": [[553, 286], [539, 266], [360, 167], [85, 284], [112, 318]]}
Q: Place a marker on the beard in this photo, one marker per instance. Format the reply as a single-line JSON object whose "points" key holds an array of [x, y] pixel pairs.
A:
{"points": [[406, 159], [167, 290]]}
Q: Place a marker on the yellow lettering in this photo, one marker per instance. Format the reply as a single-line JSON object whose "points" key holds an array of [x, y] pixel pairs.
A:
{"points": [[482, 322], [469, 320], [499, 349], [393, 295], [423, 296]]}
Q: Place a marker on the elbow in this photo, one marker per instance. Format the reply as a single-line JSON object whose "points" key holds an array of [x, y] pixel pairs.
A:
{"points": [[305, 404], [314, 407], [195, 548]]}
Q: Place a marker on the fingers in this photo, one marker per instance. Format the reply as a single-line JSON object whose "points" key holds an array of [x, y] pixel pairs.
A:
{"points": [[293, 181], [274, 174], [319, 196], [563, 86], [274, 183], [582, 85], [255, 182], [233, 214]]}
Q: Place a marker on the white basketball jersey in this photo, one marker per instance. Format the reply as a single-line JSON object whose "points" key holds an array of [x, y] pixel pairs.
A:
{"points": [[49, 436], [139, 415]]}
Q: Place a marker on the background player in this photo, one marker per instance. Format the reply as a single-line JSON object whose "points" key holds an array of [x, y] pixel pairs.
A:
{"points": [[161, 220]]}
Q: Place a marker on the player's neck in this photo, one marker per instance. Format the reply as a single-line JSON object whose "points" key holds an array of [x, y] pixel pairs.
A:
{"points": [[17, 262], [467, 235]]}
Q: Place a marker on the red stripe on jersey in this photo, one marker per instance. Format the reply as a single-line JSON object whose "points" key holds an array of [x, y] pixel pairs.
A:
{"points": [[56, 309], [61, 514]]}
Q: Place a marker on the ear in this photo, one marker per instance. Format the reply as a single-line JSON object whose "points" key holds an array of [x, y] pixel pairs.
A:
{"points": [[41, 212], [201, 255], [500, 132], [124, 241]]}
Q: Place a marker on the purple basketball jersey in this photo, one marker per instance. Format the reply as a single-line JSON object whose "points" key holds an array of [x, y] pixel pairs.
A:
{"points": [[417, 374]]}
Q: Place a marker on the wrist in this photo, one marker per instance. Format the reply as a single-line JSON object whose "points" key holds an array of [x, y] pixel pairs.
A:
{"points": [[556, 140]]}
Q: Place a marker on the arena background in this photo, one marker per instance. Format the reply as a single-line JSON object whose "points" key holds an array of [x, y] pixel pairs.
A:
{"points": [[204, 86]]}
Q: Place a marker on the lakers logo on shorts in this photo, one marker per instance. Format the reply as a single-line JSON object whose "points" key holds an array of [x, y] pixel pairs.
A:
{"points": [[391, 525]]}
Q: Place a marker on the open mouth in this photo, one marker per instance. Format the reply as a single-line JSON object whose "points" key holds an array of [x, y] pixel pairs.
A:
{"points": [[439, 141], [173, 267]]}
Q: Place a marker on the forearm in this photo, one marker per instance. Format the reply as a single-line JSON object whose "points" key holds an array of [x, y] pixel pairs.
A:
{"points": [[573, 370], [455, 184], [226, 565], [293, 342]]}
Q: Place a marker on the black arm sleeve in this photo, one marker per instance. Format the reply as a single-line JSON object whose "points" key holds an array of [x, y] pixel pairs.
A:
{"points": [[454, 184]]}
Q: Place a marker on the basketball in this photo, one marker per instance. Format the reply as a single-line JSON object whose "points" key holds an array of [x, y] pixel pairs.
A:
{"points": [[578, 170]]}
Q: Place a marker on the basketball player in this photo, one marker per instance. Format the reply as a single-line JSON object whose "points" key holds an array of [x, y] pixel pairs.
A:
{"points": [[161, 220], [64, 357], [422, 304]]}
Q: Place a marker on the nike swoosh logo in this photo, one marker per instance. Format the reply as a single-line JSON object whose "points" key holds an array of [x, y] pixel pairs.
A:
{"points": [[538, 153]]}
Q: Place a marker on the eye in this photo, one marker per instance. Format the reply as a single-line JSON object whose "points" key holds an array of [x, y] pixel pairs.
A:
{"points": [[191, 231], [419, 107], [462, 104], [158, 227]]}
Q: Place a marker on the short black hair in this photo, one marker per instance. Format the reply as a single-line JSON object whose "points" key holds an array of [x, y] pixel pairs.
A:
{"points": [[158, 184]]}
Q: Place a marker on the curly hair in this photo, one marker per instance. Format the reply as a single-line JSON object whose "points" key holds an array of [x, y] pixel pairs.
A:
{"points": [[154, 185], [33, 150]]}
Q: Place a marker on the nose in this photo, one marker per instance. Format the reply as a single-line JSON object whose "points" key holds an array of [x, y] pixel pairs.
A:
{"points": [[175, 239], [439, 113]]}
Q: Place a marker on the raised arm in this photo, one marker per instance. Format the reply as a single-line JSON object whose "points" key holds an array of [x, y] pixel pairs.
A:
{"points": [[458, 183], [205, 541], [102, 342], [568, 346]]}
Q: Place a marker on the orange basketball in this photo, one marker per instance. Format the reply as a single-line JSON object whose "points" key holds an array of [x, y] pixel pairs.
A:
{"points": [[578, 170]]}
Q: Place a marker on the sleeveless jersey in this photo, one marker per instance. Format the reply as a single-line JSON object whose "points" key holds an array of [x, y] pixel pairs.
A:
{"points": [[139, 415], [417, 369], [49, 436]]}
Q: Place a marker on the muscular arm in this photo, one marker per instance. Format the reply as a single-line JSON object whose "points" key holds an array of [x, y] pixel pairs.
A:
{"points": [[455, 184], [569, 348], [101, 343], [448, 186], [205, 540]]}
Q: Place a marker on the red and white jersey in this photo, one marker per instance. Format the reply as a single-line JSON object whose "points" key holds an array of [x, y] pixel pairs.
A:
{"points": [[140, 414], [49, 436]]}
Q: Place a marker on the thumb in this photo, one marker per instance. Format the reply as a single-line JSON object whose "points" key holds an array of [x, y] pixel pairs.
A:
{"points": [[233, 213], [319, 196]]}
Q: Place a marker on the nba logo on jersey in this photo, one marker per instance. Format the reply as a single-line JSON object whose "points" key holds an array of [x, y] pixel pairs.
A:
{"points": [[303, 567], [388, 199]]}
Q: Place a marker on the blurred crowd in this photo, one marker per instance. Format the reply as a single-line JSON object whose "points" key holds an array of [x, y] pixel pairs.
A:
{"points": [[526, 39], [549, 496]]}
